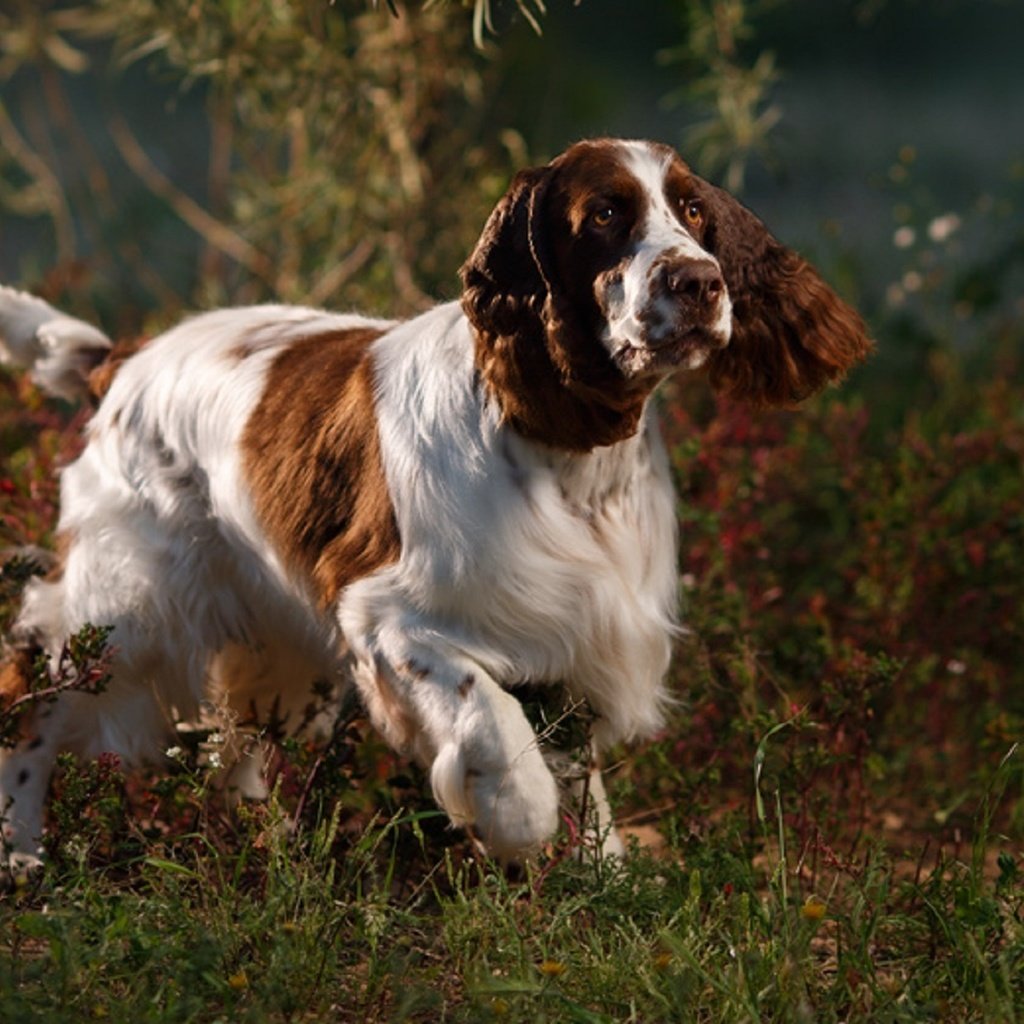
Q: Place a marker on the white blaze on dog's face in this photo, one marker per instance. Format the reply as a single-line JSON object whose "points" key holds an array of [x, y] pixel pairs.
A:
{"points": [[636, 219]]}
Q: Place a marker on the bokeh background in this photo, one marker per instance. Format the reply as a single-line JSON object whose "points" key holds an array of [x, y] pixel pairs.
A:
{"points": [[307, 125]]}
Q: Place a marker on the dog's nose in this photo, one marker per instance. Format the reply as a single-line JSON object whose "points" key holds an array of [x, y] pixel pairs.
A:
{"points": [[700, 281]]}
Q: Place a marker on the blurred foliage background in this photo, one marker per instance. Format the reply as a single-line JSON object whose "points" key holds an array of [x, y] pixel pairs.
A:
{"points": [[182, 153], [852, 569]]}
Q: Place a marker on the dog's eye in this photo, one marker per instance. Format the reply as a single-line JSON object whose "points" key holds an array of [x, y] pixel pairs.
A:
{"points": [[603, 215], [693, 212]]}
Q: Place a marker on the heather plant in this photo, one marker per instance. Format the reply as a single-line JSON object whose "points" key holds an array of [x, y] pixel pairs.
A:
{"points": [[80, 666], [863, 594]]}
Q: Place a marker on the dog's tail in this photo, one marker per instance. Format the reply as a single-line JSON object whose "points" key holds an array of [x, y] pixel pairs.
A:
{"points": [[60, 351]]}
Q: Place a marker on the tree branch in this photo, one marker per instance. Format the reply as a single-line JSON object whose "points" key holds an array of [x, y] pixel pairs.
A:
{"points": [[207, 227]]}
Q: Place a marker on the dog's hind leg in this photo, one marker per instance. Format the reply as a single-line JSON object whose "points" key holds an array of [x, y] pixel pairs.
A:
{"points": [[156, 671], [262, 691]]}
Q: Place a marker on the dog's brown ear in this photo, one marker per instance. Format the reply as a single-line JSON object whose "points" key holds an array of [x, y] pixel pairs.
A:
{"points": [[791, 333], [503, 277]]}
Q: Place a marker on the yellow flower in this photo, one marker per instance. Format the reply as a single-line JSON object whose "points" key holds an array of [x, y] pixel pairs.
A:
{"points": [[663, 961], [239, 981], [499, 1007], [552, 968], [813, 909]]}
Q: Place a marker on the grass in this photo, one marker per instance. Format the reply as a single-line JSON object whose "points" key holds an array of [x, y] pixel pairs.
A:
{"points": [[247, 922], [829, 829]]}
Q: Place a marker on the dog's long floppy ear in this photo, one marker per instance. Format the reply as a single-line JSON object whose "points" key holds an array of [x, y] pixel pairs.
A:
{"points": [[504, 277], [791, 334]]}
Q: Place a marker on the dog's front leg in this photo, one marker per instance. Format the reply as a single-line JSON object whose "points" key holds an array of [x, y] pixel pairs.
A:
{"points": [[486, 767]]}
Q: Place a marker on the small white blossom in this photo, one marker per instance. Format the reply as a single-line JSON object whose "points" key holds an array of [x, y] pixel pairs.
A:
{"points": [[943, 227], [955, 667], [214, 760], [904, 237], [174, 753]]}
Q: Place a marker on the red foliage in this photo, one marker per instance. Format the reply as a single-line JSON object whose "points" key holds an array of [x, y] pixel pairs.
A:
{"points": [[872, 583]]}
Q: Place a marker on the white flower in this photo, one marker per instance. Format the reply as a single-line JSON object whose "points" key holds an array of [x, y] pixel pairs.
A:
{"points": [[943, 227], [174, 753], [904, 237], [214, 759]]}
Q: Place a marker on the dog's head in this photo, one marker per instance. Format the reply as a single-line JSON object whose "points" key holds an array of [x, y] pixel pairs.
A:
{"points": [[615, 265]]}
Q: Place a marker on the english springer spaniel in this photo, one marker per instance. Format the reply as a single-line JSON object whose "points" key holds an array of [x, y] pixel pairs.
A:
{"points": [[441, 510]]}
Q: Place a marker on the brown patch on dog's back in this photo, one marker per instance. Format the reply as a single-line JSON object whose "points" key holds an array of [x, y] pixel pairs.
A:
{"points": [[311, 453]]}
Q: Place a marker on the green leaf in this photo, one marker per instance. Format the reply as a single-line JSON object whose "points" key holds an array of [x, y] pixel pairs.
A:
{"points": [[170, 866]]}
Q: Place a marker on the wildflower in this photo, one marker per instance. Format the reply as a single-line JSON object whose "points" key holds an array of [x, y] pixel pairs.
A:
{"points": [[813, 909], [904, 237], [552, 968], [239, 981], [663, 961], [215, 760], [499, 1006], [941, 228], [174, 753]]}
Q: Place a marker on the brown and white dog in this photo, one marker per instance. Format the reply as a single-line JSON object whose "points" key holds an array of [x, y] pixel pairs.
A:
{"points": [[441, 509]]}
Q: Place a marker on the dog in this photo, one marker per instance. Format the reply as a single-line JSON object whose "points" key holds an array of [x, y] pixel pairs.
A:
{"points": [[440, 510]]}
